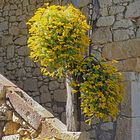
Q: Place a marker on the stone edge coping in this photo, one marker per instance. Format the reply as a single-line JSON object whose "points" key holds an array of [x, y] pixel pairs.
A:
{"points": [[35, 115]]}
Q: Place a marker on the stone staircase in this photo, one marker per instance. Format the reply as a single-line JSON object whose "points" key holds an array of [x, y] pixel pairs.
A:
{"points": [[22, 117]]}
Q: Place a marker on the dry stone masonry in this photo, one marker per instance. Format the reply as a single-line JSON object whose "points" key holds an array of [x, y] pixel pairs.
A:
{"points": [[116, 34], [15, 63], [21, 116], [117, 37]]}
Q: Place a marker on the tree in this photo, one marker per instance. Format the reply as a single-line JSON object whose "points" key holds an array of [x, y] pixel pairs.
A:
{"points": [[58, 41]]}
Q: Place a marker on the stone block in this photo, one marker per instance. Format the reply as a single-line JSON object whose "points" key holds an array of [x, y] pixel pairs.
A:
{"points": [[12, 19], [135, 128], [28, 62], [18, 12], [126, 103], [1, 4], [104, 11], [11, 128], [2, 19], [14, 30], [30, 84], [105, 3], [102, 35], [30, 8], [131, 76], [62, 86], [133, 10], [9, 115], [6, 7], [135, 96], [123, 129], [45, 94], [11, 137], [113, 10], [60, 95], [36, 72], [83, 3], [105, 136], [25, 3], [57, 109], [131, 64], [114, 52], [7, 40], [12, 15], [23, 51], [107, 126], [3, 26], [119, 16], [22, 40], [10, 51], [21, 72], [120, 35], [53, 85], [32, 2], [11, 66], [54, 128], [124, 23], [13, 7], [24, 109], [122, 50], [127, 65], [105, 21]]}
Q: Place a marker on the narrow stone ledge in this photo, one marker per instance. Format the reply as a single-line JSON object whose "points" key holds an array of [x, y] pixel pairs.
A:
{"points": [[122, 50], [105, 21], [35, 115], [54, 128], [24, 109], [11, 137]]}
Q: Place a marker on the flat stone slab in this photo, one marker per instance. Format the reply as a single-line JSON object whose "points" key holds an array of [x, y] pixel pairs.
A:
{"points": [[24, 109], [35, 115], [11, 137]]}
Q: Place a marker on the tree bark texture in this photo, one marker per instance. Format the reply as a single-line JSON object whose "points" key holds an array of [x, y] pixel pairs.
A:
{"points": [[70, 109]]}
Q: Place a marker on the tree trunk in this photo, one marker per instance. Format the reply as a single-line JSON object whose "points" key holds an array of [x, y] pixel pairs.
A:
{"points": [[78, 110], [70, 110], [73, 110]]}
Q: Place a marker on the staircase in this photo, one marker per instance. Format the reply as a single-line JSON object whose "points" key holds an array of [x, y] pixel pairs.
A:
{"points": [[22, 117]]}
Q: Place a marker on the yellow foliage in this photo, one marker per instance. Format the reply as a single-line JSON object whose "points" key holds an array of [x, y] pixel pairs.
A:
{"points": [[100, 88], [57, 38], [58, 42]]}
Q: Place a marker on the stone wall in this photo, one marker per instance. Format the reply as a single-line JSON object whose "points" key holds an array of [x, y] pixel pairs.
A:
{"points": [[15, 63], [115, 34], [23, 118], [117, 37]]}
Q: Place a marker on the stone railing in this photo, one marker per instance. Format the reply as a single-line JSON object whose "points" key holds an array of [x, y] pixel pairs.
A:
{"points": [[21, 116]]}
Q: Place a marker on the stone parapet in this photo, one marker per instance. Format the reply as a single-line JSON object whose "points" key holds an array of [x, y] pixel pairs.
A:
{"points": [[23, 117]]}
